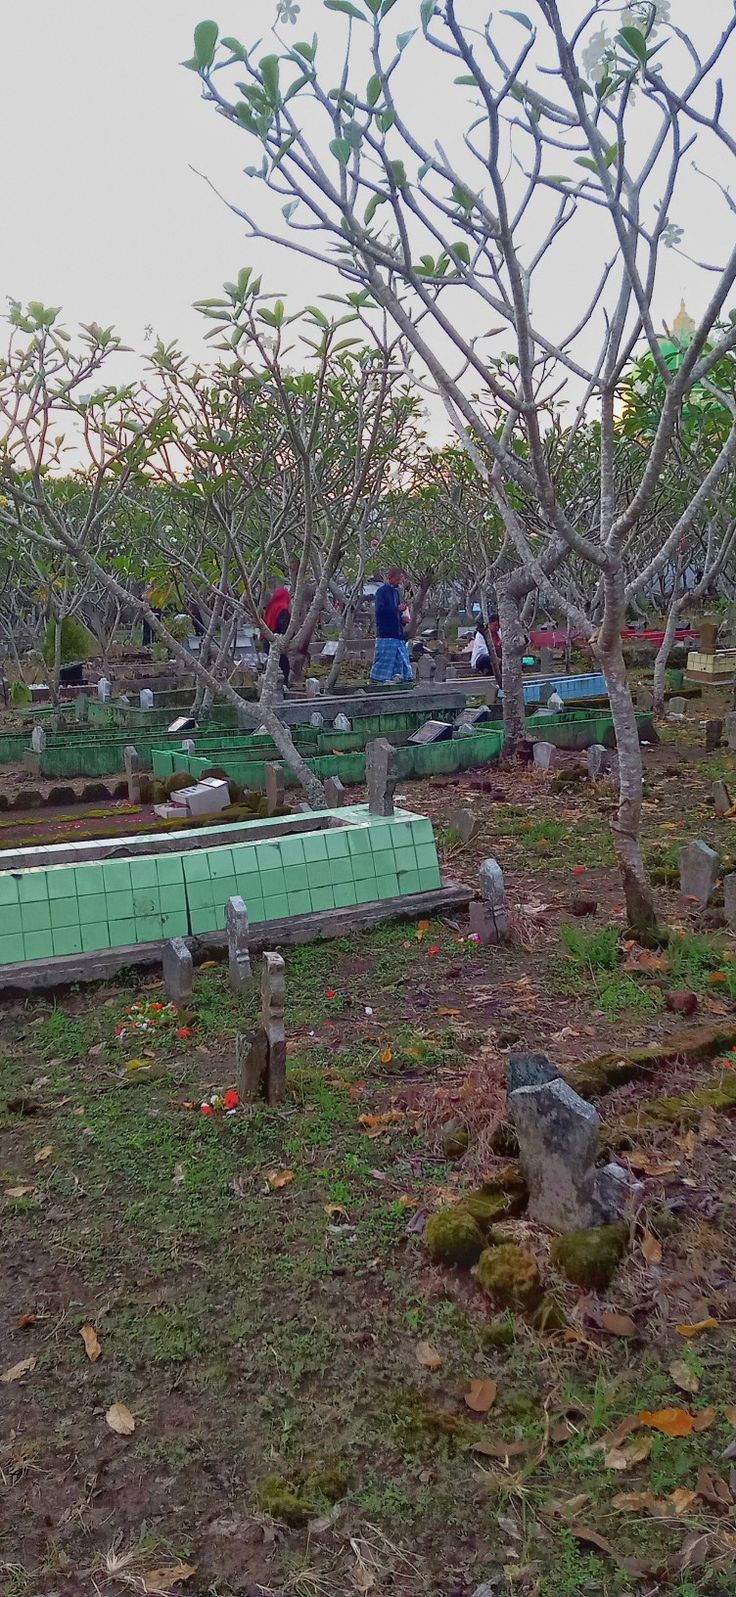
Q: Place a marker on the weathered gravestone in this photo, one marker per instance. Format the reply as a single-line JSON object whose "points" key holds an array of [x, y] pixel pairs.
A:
{"points": [[146, 699], [334, 792], [81, 708], [311, 687], [381, 775], [187, 745], [488, 916], [341, 723], [713, 734], [721, 798], [558, 1140], [440, 666], [708, 637], [316, 719], [273, 1003], [238, 952], [103, 689], [729, 724], [545, 756], [465, 822], [545, 662], [699, 866], [178, 972], [38, 740], [644, 700], [677, 705], [597, 761], [529, 1069], [275, 787], [431, 732], [472, 718], [425, 668], [729, 899], [132, 768]]}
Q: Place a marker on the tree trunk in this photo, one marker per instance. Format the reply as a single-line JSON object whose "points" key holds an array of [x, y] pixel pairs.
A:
{"points": [[282, 736], [626, 824], [512, 655], [663, 653]]}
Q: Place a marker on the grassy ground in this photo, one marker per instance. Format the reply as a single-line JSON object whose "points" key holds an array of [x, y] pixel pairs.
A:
{"points": [[259, 1287]]}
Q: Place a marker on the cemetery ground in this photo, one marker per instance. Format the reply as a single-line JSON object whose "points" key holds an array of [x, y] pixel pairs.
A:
{"points": [[229, 1365]]}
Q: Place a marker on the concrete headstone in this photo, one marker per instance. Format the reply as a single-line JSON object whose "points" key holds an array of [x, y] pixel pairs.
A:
{"points": [[238, 952], [465, 822], [545, 756], [555, 703], [146, 698], [103, 689], [341, 723], [273, 1003], [488, 916], [713, 734], [132, 767], [425, 668], [721, 798], [381, 775], [729, 725], [558, 1139], [81, 709], [526, 1069], [275, 786], [316, 719], [708, 637], [311, 687], [431, 732], [677, 705], [597, 760], [699, 866], [334, 792], [729, 899], [644, 700], [187, 745], [38, 740], [178, 972]]}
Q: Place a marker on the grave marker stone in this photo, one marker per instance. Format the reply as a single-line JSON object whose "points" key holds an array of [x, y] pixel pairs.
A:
{"points": [[465, 822], [178, 972], [721, 798], [146, 698], [275, 787], [132, 768], [334, 793], [677, 705], [699, 866], [545, 756], [425, 668], [558, 1140], [597, 761], [431, 732], [81, 709], [316, 719], [644, 700], [440, 666], [188, 746], [381, 776], [238, 953], [273, 1001], [38, 740], [251, 1064], [103, 689], [729, 724], [729, 899], [341, 723], [713, 734], [488, 916], [545, 662], [708, 637], [311, 687]]}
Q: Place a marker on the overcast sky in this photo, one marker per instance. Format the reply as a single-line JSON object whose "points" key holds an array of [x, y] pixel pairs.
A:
{"points": [[101, 129]]}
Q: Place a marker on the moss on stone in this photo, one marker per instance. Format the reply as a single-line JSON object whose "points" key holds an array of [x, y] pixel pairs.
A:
{"points": [[453, 1237], [300, 1497], [591, 1256], [485, 1207], [175, 782], [510, 1276], [682, 1111], [692, 1044]]}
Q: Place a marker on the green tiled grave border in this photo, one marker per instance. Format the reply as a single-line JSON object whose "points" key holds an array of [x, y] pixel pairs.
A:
{"points": [[71, 909]]}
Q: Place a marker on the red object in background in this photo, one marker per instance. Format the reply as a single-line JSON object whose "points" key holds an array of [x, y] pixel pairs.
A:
{"points": [[231, 1099]]}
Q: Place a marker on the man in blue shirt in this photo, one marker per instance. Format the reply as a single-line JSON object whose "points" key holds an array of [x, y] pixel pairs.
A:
{"points": [[391, 657]]}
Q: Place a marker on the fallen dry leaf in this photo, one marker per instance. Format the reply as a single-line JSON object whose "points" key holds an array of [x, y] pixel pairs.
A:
{"points": [[684, 1377], [591, 1538], [682, 1499], [703, 1419], [177, 1179], [43, 1154], [92, 1344], [618, 1324], [19, 1192], [652, 1167], [422, 929], [387, 1056], [713, 1489], [651, 1248], [637, 1503], [445, 1011], [670, 1421], [162, 1580], [501, 1450], [700, 1325], [279, 1178], [428, 1357], [16, 1371], [120, 1419], [629, 1454], [730, 1413], [25, 1320], [336, 1211], [481, 1395]]}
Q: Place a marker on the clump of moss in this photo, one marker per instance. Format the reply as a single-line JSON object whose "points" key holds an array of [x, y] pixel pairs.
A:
{"points": [[510, 1183], [454, 1237], [693, 1045], [499, 1333], [590, 1257], [510, 1276], [175, 782], [684, 1110], [145, 787], [663, 1222], [455, 1139], [485, 1207], [298, 1498], [28, 798], [426, 1419], [158, 791]]}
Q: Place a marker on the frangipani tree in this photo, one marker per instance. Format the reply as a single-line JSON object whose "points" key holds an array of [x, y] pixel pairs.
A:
{"points": [[563, 150]]}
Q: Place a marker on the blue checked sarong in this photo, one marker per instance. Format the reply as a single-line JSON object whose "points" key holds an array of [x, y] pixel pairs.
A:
{"points": [[391, 660]]}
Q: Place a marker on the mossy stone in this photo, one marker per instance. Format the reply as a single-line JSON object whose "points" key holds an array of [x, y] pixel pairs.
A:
{"points": [[455, 1139], [96, 793], [590, 1257], [176, 782], [529, 1070], [298, 1499], [510, 1276], [499, 1333], [158, 791], [485, 1207], [61, 795], [453, 1237]]}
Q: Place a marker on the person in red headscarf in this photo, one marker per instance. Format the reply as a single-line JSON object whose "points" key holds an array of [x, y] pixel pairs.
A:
{"points": [[277, 616]]}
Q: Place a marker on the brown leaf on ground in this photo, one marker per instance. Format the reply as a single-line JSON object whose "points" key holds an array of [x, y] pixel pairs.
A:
{"points": [[703, 1419], [427, 1356], [670, 1421], [92, 1344], [617, 1437], [631, 1453], [591, 1538], [695, 1329], [682, 1499], [177, 1179], [17, 1371], [651, 1248], [713, 1488], [501, 1450], [481, 1395], [19, 1192], [120, 1419], [652, 1167], [695, 1550], [162, 1580], [618, 1324], [279, 1178], [683, 1377], [422, 929], [25, 1320], [637, 1503], [43, 1154], [445, 1011], [730, 1413], [336, 1211]]}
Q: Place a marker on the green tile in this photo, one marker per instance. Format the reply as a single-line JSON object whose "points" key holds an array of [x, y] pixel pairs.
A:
{"points": [[384, 863], [297, 878], [169, 869], [249, 884], [38, 945], [36, 917], [381, 836], [172, 898], [146, 901], [10, 919], [116, 875], [96, 935], [359, 841], [337, 842], [315, 846], [430, 878], [220, 910], [409, 882], [11, 950], [67, 940], [143, 872], [421, 830], [200, 894], [387, 886], [300, 904], [175, 924], [341, 870], [8, 888], [366, 890], [321, 873], [426, 856], [322, 898], [64, 912], [120, 904], [273, 883], [32, 887], [269, 858], [256, 910], [122, 932], [196, 866], [88, 879], [344, 894], [245, 862], [60, 880], [92, 909], [276, 908], [405, 859], [291, 851], [204, 920], [148, 928], [363, 867], [221, 862]]}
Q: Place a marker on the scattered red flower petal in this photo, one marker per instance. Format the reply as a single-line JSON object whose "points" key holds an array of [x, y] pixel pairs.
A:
{"points": [[184, 1032], [435, 949], [578, 871], [330, 992], [206, 1108], [232, 1099]]}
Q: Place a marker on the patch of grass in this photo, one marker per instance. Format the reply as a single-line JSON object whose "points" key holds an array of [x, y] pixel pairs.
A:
{"points": [[64, 1036], [574, 1571], [597, 951]]}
